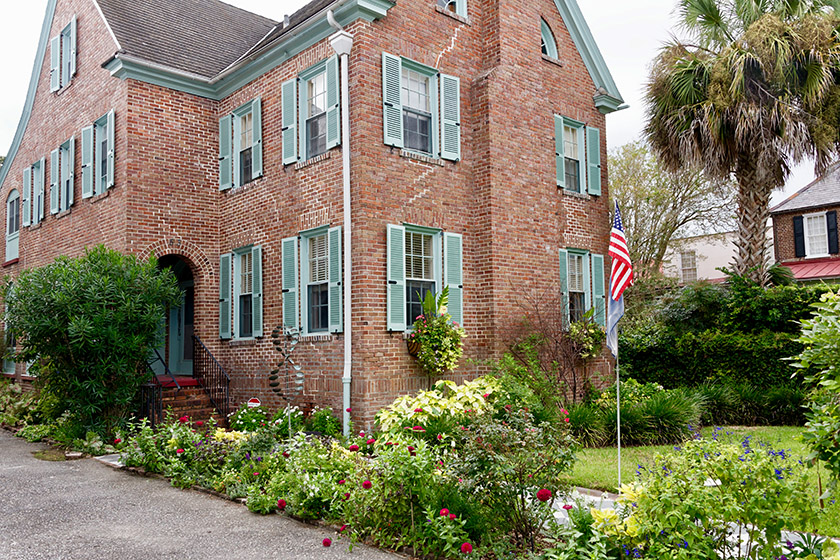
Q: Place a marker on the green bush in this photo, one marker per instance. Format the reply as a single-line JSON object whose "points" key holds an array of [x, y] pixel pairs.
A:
{"points": [[249, 418], [89, 324], [323, 420], [17, 406]]}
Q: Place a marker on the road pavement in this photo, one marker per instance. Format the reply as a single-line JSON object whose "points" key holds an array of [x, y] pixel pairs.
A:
{"points": [[84, 509]]}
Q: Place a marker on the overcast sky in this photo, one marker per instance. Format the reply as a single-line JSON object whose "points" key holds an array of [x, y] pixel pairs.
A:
{"points": [[629, 35]]}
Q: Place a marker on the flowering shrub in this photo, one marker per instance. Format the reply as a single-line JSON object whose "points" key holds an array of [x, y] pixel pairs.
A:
{"points": [[324, 421], [689, 503], [439, 337], [248, 419]]}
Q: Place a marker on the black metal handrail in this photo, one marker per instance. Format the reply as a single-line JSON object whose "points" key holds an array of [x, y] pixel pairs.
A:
{"points": [[214, 378], [151, 403], [165, 369]]}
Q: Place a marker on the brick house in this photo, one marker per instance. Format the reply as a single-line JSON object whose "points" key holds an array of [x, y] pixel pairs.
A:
{"points": [[402, 146], [805, 229]]}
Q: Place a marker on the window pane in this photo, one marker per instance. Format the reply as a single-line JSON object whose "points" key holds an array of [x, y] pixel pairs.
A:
{"points": [[575, 273], [415, 294], [245, 326], [817, 235], [316, 133], [246, 135], [576, 306], [246, 165], [318, 258], [317, 95], [318, 297], [570, 141], [419, 263], [245, 273], [688, 262]]}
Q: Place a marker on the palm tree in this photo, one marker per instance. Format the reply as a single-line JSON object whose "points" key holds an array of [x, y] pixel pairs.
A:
{"points": [[750, 92]]}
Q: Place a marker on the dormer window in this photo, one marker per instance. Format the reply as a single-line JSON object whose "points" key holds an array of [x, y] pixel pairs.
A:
{"points": [[549, 45], [63, 57]]}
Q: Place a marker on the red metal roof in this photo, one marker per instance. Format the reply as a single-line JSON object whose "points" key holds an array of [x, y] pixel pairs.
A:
{"points": [[814, 270]]}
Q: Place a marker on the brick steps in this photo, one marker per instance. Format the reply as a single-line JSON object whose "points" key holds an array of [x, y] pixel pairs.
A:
{"points": [[189, 401]]}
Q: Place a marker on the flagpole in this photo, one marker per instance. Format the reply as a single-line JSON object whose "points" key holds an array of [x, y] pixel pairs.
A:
{"points": [[618, 418]]}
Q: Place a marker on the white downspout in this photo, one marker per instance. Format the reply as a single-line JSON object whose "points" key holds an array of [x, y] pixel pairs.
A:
{"points": [[342, 42]]}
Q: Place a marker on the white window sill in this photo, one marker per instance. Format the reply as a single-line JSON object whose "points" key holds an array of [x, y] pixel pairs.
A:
{"points": [[453, 15], [316, 337], [573, 194], [243, 342], [820, 256], [421, 157], [313, 161], [101, 196]]}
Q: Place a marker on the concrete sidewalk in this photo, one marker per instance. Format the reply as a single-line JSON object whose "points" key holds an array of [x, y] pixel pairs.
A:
{"points": [[84, 509]]}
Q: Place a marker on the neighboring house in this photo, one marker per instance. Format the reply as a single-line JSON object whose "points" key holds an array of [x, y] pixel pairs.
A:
{"points": [[697, 258], [462, 139], [805, 229]]}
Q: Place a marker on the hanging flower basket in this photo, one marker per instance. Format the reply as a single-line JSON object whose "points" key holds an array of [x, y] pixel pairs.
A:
{"points": [[413, 346]]}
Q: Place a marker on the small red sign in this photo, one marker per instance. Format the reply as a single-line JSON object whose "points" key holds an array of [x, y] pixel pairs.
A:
{"points": [[254, 403]]}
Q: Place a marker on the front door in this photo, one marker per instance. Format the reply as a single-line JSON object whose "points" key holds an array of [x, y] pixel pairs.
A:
{"points": [[181, 333]]}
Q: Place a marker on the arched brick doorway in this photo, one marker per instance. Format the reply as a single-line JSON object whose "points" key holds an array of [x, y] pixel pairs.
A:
{"points": [[179, 324]]}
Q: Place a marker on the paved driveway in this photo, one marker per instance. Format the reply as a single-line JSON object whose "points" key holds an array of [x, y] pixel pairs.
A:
{"points": [[84, 509]]}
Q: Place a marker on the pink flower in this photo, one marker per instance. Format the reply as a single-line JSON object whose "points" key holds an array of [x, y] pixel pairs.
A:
{"points": [[566, 419], [348, 409], [327, 542], [444, 512], [184, 419], [281, 504], [544, 495], [179, 451], [200, 423], [341, 481], [452, 517], [418, 410], [466, 548], [366, 484], [419, 429], [567, 507], [256, 474], [353, 447], [342, 528], [347, 495], [486, 395], [389, 443], [564, 411], [116, 441], [440, 437], [371, 441]]}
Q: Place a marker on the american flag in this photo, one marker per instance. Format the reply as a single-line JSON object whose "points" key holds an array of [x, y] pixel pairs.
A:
{"points": [[622, 270]]}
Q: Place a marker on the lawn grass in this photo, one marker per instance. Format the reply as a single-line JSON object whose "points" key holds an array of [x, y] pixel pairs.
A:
{"points": [[597, 468]]}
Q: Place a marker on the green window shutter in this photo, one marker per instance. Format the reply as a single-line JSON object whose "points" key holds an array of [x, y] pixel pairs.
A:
{"points": [[256, 291], [333, 106], [87, 162], [396, 278], [450, 117], [26, 197], [289, 92], [587, 284], [111, 148], [303, 97], [42, 168], [71, 170], [290, 285], [224, 296], [453, 274], [564, 284], [599, 290], [392, 100], [225, 158], [559, 152], [55, 63], [335, 301], [593, 160], [257, 146], [54, 182], [73, 26]]}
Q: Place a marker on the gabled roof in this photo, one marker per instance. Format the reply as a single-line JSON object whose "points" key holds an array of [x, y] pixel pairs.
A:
{"points": [[823, 191], [200, 37]]}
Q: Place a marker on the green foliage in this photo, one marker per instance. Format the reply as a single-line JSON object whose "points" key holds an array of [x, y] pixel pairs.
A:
{"points": [[89, 324], [820, 361], [686, 503], [248, 419], [17, 406], [34, 432], [323, 420], [439, 337], [632, 392]]}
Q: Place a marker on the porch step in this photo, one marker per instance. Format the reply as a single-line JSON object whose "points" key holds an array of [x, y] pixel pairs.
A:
{"points": [[190, 401]]}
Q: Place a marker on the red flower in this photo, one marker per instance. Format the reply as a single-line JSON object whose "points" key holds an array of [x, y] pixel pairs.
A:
{"points": [[371, 441], [567, 507], [116, 441], [281, 504], [452, 517], [347, 495], [353, 447], [419, 429], [184, 419], [544, 495], [418, 410], [508, 407], [179, 451], [256, 474], [410, 448], [366, 484], [466, 548], [327, 542], [348, 409], [486, 395], [389, 443], [286, 454], [564, 411], [200, 423], [342, 528], [440, 437], [444, 512], [566, 419], [341, 481]]}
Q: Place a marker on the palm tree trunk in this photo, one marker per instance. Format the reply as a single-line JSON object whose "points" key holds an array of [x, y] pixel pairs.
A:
{"points": [[753, 212]]}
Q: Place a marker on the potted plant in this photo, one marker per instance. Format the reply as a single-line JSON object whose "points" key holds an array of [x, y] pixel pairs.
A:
{"points": [[436, 338]]}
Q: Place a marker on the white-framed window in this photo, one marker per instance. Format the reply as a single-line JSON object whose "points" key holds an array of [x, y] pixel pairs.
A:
{"points": [[422, 260], [316, 292], [583, 285], [63, 57], [316, 115], [67, 163], [240, 293], [688, 266], [458, 7], [311, 123], [421, 108], [548, 45], [103, 154], [577, 156], [240, 145], [12, 225], [36, 173], [816, 235]]}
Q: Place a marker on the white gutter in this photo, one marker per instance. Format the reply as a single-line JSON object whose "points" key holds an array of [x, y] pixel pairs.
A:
{"points": [[342, 43]]}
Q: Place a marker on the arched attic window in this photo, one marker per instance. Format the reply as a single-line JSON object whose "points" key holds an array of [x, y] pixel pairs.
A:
{"points": [[549, 45], [12, 224]]}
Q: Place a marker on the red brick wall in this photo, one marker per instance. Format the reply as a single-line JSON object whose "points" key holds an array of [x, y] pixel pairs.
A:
{"points": [[783, 233], [502, 196]]}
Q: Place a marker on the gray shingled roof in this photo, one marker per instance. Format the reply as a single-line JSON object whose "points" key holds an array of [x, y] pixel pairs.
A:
{"points": [[296, 19], [823, 191], [202, 37]]}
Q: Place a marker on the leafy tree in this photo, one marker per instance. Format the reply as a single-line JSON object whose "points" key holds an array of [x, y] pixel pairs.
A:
{"points": [[88, 324], [2, 160], [656, 204], [749, 93]]}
